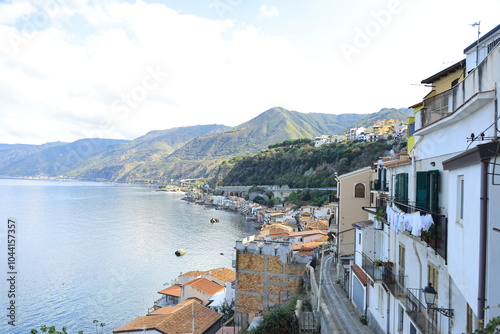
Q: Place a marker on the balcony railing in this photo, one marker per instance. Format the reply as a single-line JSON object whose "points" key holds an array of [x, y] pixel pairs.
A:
{"points": [[437, 235], [394, 283], [435, 108], [418, 312], [372, 268]]}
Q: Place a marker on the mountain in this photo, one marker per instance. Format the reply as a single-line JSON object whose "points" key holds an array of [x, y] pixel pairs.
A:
{"points": [[144, 158], [11, 153], [51, 159], [184, 152], [272, 126]]}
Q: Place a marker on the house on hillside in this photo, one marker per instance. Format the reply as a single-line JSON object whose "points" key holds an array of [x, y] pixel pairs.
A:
{"points": [[200, 288]]}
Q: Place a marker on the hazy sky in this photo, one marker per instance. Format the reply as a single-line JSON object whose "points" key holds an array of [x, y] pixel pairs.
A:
{"points": [[118, 69]]}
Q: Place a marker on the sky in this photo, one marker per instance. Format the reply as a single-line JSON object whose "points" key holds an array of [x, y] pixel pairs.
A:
{"points": [[72, 69]]}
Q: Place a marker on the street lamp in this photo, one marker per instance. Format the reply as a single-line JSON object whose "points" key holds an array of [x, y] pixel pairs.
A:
{"points": [[430, 295]]}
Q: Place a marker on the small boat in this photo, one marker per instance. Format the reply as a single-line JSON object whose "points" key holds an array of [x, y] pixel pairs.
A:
{"points": [[214, 220], [180, 252]]}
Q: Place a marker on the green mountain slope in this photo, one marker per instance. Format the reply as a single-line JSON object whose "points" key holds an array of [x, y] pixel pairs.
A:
{"points": [[272, 126], [144, 158], [300, 167]]}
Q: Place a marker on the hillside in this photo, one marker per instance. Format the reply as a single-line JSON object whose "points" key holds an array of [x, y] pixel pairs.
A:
{"points": [[144, 158], [301, 167], [184, 152], [53, 159]]}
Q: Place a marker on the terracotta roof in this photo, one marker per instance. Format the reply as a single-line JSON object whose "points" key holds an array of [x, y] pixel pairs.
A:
{"points": [[205, 285], [175, 322], [174, 290], [173, 309], [308, 232], [272, 214], [397, 162], [308, 245], [222, 274], [194, 273], [305, 253], [360, 274], [318, 224]]}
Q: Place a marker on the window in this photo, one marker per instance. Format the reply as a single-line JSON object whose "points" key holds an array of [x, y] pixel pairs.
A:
{"points": [[401, 313], [427, 191], [359, 190], [461, 197], [401, 264], [380, 299], [470, 319], [401, 191], [432, 275]]}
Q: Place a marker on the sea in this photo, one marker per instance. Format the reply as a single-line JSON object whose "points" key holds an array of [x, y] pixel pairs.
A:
{"points": [[86, 251]]}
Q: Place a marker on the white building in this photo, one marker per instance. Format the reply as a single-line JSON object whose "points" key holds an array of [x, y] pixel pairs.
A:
{"points": [[452, 174]]}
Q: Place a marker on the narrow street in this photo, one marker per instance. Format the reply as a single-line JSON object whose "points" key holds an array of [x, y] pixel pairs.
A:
{"points": [[345, 316]]}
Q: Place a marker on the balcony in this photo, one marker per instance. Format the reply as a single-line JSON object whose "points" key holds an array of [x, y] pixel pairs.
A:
{"points": [[395, 283], [419, 314], [374, 269], [435, 108], [437, 236]]}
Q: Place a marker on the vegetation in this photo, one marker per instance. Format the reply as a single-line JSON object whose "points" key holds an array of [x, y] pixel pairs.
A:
{"points": [[51, 330], [64, 330], [311, 197], [302, 167], [292, 143], [278, 320]]}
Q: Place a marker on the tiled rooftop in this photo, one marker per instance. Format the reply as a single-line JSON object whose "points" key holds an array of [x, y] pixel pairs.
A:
{"points": [[222, 274], [175, 322], [205, 285], [174, 290]]}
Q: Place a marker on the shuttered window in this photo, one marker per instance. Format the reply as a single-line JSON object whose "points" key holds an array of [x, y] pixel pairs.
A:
{"points": [[432, 276], [359, 190], [401, 191], [427, 191]]}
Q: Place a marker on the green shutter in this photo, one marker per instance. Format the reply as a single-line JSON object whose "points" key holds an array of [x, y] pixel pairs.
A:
{"points": [[404, 190], [401, 191], [422, 200], [434, 191]]}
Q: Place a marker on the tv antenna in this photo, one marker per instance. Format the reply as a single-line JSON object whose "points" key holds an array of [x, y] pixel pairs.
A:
{"points": [[478, 25]]}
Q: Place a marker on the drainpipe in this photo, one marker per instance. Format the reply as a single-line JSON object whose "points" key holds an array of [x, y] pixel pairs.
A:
{"points": [[483, 225]]}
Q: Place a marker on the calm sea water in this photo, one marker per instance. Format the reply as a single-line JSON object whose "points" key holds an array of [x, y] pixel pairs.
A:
{"points": [[88, 251]]}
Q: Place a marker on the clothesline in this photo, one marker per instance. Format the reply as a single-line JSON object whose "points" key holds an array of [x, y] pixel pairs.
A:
{"points": [[414, 222]]}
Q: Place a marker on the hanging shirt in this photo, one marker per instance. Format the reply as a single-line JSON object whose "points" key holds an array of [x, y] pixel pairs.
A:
{"points": [[416, 224], [427, 222]]}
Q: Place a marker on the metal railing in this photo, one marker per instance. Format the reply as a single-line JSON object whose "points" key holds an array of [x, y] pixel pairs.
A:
{"points": [[437, 235], [374, 269], [435, 107], [418, 312], [394, 283]]}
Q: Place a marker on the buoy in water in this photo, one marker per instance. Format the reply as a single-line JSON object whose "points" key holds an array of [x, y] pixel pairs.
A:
{"points": [[180, 252]]}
